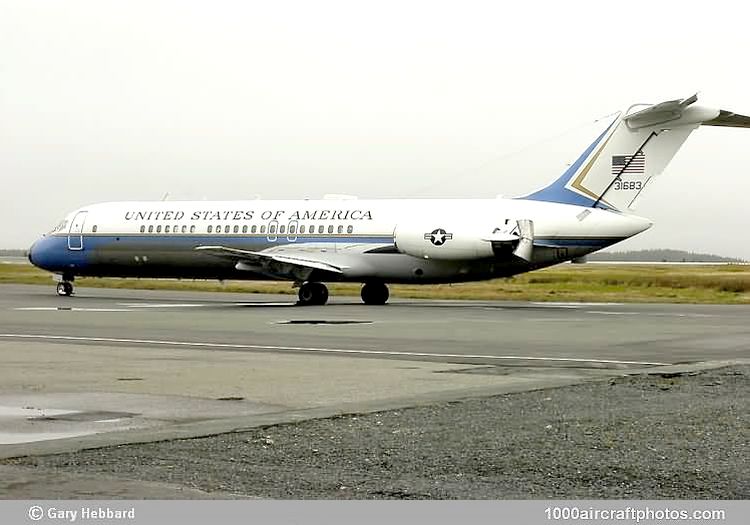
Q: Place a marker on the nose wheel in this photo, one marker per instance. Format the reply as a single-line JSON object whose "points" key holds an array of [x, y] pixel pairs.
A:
{"points": [[312, 294], [374, 293], [65, 289]]}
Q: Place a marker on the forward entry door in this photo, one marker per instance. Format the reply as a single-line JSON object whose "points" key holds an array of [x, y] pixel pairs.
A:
{"points": [[75, 234]]}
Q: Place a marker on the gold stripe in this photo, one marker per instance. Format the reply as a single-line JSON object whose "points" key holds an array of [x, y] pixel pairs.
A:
{"points": [[577, 182]]}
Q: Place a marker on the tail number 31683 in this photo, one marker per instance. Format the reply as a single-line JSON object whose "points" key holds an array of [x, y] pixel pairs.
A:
{"points": [[628, 185]]}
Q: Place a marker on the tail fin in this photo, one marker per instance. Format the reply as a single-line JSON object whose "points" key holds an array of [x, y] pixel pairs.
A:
{"points": [[636, 147]]}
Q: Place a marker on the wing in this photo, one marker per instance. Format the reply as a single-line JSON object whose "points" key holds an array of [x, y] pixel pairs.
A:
{"points": [[284, 262]]}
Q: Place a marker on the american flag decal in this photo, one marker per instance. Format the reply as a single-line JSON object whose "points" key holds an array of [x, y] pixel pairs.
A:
{"points": [[637, 165]]}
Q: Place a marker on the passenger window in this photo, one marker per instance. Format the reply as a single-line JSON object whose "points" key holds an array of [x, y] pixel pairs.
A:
{"points": [[192, 229], [253, 229], [93, 229], [282, 228], [143, 229], [321, 228], [166, 228], [341, 229], [272, 229], [263, 229], [210, 228], [302, 229], [236, 229], [151, 228], [349, 229], [158, 229], [330, 228], [226, 228], [184, 228], [292, 229], [244, 229]]}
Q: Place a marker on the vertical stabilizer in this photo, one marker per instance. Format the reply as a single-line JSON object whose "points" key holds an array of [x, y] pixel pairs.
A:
{"points": [[616, 168]]}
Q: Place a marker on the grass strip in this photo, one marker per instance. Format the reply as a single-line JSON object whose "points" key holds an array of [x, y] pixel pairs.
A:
{"points": [[724, 284]]}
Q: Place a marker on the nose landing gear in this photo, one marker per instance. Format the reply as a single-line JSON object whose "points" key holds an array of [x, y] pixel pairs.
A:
{"points": [[64, 288]]}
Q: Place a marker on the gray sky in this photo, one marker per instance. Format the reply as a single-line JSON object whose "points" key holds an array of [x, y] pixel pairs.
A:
{"points": [[105, 101]]}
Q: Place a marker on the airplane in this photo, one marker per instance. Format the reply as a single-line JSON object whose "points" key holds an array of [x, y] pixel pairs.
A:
{"points": [[379, 242]]}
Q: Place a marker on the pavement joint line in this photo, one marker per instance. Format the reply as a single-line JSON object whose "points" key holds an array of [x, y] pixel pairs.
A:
{"points": [[68, 309], [324, 350], [606, 312], [161, 305], [557, 304]]}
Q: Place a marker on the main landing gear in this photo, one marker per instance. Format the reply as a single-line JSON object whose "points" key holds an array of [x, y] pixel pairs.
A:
{"points": [[312, 294], [65, 288], [374, 293]]}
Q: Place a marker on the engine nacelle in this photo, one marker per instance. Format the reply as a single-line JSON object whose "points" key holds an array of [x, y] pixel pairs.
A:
{"points": [[449, 243], [467, 241]]}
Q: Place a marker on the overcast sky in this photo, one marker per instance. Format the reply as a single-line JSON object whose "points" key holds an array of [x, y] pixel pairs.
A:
{"points": [[104, 101]]}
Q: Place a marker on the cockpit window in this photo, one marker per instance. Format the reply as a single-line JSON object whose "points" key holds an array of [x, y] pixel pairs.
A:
{"points": [[61, 227]]}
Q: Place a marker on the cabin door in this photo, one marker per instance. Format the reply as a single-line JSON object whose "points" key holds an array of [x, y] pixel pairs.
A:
{"points": [[75, 234]]}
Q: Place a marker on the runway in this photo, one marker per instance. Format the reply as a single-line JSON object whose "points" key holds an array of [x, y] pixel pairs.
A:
{"points": [[116, 366]]}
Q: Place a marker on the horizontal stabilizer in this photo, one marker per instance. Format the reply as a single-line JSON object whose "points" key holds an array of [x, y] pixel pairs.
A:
{"points": [[729, 119], [659, 113]]}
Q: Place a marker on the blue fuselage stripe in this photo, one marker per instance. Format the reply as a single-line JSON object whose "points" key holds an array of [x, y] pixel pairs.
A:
{"points": [[53, 253]]}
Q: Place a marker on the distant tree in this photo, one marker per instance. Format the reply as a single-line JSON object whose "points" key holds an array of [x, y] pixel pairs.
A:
{"points": [[660, 255], [13, 253]]}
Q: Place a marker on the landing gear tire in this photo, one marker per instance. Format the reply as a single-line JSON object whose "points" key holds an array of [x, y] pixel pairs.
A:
{"points": [[64, 289], [313, 294], [375, 293]]}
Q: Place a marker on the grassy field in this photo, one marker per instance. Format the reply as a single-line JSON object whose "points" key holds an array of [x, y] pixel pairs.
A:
{"points": [[729, 284]]}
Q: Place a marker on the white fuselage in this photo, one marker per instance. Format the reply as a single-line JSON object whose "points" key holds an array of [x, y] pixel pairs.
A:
{"points": [[385, 240]]}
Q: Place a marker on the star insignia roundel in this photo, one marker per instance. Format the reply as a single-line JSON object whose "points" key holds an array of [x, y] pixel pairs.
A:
{"points": [[438, 236]]}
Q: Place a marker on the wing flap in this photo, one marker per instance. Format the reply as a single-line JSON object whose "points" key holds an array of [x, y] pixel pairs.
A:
{"points": [[264, 260], [317, 265]]}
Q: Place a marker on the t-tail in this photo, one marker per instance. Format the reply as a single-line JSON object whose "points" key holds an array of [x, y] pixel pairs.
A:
{"points": [[616, 168]]}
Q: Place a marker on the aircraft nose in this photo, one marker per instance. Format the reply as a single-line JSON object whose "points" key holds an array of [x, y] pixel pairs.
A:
{"points": [[31, 253], [44, 254]]}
